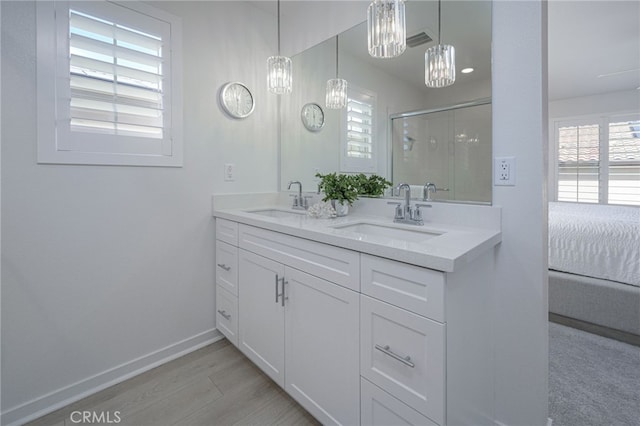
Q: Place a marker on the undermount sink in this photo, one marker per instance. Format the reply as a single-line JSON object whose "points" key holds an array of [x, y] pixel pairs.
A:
{"points": [[278, 213], [415, 235]]}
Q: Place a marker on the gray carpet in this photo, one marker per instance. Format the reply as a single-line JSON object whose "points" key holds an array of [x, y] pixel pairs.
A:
{"points": [[593, 381]]}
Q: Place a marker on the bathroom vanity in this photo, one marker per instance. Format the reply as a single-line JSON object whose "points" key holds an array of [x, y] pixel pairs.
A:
{"points": [[360, 320]]}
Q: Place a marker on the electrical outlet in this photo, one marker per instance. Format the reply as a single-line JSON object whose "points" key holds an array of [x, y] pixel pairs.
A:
{"points": [[504, 171], [229, 172]]}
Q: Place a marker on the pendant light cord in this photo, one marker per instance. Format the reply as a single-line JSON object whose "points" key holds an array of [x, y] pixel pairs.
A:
{"points": [[439, 22], [278, 27], [336, 56]]}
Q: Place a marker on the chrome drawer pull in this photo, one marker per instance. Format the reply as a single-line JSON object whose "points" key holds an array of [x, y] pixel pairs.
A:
{"points": [[387, 351], [224, 314], [278, 279], [225, 267]]}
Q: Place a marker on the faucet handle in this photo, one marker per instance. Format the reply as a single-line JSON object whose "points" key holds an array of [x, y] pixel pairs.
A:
{"points": [[418, 212], [305, 201], [399, 212], [296, 202]]}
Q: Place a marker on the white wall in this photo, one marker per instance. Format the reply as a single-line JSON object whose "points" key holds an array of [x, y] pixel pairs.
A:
{"points": [[606, 103], [520, 129], [104, 266], [305, 23]]}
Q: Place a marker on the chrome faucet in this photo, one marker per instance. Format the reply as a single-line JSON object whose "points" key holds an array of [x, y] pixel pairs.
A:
{"points": [[406, 214], [427, 189], [407, 198], [299, 202]]}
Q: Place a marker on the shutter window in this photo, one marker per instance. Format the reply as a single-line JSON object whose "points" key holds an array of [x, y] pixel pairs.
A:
{"points": [[578, 163], [115, 78], [359, 129], [624, 163]]}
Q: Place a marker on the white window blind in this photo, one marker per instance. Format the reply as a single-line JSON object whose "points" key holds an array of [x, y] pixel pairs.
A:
{"points": [[115, 77], [109, 77], [599, 161], [578, 163], [358, 139], [359, 129], [624, 163]]}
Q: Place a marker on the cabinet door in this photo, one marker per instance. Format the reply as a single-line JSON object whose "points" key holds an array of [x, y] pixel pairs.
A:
{"points": [[322, 348], [261, 319]]}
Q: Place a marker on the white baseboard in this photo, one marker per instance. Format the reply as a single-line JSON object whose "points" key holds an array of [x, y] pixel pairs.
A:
{"points": [[549, 422], [62, 397]]}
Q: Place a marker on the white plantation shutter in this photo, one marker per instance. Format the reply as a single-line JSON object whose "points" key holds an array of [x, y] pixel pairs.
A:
{"points": [[359, 129], [358, 132], [117, 87], [599, 160], [624, 163], [116, 78], [578, 163]]}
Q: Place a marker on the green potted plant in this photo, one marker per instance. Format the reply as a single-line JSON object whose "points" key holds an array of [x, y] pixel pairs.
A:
{"points": [[339, 189], [371, 186]]}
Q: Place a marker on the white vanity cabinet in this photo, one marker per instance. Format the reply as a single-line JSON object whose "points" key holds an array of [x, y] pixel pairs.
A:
{"points": [[357, 338]]}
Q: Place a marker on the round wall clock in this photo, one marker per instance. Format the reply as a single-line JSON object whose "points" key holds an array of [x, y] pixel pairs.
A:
{"points": [[236, 100], [312, 117]]}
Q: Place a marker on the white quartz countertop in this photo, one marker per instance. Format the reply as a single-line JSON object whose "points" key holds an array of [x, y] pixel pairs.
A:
{"points": [[445, 247]]}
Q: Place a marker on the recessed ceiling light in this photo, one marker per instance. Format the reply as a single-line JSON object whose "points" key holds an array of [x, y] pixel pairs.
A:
{"points": [[466, 70]]}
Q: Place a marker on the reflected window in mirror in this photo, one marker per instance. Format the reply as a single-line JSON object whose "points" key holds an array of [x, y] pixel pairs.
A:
{"points": [[358, 142]]}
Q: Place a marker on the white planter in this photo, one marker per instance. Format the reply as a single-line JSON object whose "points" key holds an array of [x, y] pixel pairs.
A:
{"points": [[342, 209]]}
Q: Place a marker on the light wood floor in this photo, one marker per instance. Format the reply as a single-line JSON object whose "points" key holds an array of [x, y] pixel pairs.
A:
{"points": [[216, 385]]}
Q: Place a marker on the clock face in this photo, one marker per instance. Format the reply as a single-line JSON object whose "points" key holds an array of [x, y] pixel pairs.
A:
{"points": [[312, 117], [236, 100]]}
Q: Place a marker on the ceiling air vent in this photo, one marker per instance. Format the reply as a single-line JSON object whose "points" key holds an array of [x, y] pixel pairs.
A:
{"points": [[418, 39]]}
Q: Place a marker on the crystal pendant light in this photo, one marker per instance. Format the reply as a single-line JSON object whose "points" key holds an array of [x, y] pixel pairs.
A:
{"points": [[440, 61], [336, 89], [386, 28], [279, 80]]}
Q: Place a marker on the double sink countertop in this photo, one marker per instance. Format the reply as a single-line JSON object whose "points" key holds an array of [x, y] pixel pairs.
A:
{"points": [[451, 236]]}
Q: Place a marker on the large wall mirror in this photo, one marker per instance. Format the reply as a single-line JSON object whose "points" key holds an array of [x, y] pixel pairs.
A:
{"points": [[400, 129]]}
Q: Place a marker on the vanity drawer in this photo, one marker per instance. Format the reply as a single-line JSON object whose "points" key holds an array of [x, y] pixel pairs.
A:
{"points": [[388, 335], [227, 267], [378, 408], [416, 289], [334, 264], [227, 314], [227, 231]]}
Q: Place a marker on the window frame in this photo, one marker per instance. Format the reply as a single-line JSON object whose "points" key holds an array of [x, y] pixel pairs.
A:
{"points": [[56, 142], [603, 122]]}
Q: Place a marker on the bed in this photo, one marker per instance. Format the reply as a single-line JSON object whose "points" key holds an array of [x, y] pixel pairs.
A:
{"points": [[594, 267]]}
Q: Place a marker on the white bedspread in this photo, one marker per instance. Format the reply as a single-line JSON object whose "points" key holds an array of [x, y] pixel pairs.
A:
{"points": [[598, 241]]}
